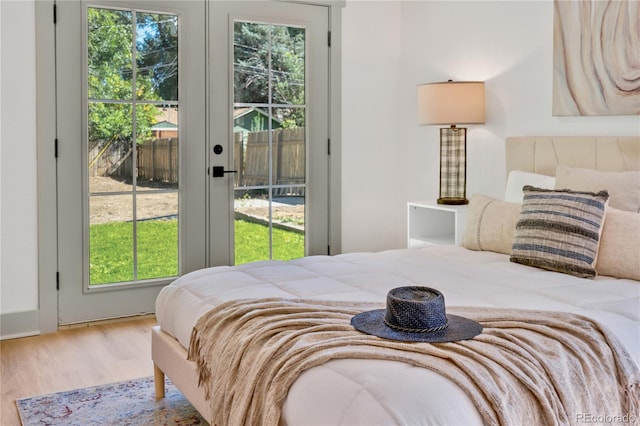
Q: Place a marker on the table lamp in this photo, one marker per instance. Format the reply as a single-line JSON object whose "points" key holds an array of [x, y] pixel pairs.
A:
{"points": [[453, 103]]}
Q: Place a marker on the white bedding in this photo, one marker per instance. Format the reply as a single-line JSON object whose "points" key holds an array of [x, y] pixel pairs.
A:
{"points": [[384, 392]]}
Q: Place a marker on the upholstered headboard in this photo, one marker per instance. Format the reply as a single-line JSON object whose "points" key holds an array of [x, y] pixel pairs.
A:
{"points": [[541, 154]]}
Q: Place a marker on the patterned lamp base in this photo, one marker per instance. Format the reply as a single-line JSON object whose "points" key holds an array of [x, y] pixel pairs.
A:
{"points": [[453, 165]]}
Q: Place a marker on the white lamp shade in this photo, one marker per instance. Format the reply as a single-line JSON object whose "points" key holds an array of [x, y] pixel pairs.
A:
{"points": [[452, 102]]}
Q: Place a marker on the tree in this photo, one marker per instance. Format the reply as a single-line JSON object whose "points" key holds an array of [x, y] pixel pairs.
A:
{"points": [[110, 64], [158, 52], [254, 46]]}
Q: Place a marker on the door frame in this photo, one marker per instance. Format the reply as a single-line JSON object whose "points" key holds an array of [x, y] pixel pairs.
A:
{"points": [[47, 311]]}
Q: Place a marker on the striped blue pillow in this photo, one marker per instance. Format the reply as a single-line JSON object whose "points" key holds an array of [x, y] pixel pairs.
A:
{"points": [[559, 230]]}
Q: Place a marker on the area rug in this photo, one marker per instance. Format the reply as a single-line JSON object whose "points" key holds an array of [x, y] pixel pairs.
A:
{"points": [[125, 403]]}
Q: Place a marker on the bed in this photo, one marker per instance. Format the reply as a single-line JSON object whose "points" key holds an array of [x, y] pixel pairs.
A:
{"points": [[478, 274]]}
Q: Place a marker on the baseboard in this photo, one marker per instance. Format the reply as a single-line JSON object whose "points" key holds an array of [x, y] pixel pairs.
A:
{"points": [[105, 321], [19, 324]]}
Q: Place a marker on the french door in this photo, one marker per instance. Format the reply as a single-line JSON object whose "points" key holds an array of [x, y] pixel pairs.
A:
{"points": [[189, 134], [269, 131], [130, 118]]}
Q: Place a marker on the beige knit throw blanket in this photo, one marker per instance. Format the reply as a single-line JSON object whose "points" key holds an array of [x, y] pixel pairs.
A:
{"points": [[527, 367]]}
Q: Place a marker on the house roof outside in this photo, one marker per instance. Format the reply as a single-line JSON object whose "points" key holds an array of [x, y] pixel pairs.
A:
{"points": [[164, 125], [240, 112], [244, 120], [237, 113]]}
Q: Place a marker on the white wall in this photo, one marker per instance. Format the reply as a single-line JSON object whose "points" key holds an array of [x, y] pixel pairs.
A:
{"points": [[507, 44], [371, 143], [18, 227]]}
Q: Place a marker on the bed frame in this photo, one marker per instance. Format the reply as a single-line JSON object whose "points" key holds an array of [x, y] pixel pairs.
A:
{"points": [[532, 154]]}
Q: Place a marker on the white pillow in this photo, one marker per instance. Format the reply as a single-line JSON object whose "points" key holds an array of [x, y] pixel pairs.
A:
{"points": [[517, 179], [623, 187]]}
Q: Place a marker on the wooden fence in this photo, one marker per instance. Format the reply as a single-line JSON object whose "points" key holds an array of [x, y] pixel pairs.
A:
{"points": [[107, 159], [288, 156], [158, 159]]}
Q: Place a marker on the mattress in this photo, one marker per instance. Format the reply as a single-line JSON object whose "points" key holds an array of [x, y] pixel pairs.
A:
{"points": [[384, 392]]}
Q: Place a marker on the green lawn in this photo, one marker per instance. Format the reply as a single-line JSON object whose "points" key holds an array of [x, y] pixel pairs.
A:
{"points": [[111, 248], [252, 243]]}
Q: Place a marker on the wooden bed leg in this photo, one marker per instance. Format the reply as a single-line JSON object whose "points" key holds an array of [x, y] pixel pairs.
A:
{"points": [[158, 377]]}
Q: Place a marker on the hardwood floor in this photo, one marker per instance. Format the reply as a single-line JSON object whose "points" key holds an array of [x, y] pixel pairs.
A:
{"points": [[73, 358]]}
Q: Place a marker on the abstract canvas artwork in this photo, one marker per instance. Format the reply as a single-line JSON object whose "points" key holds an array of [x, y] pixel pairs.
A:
{"points": [[596, 57]]}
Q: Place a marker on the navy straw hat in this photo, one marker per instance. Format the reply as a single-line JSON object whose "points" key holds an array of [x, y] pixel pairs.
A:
{"points": [[416, 314]]}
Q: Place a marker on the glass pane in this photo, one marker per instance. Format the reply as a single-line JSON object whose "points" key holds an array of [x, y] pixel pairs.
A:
{"points": [[251, 225], [287, 210], [110, 239], [288, 145], [261, 223], [110, 161], [157, 232], [251, 62], [251, 146], [111, 208], [157, 206], [109, 53], [157, 148], [287, 65], [157, 57]]}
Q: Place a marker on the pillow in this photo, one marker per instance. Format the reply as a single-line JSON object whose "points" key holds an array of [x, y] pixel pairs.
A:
{"points": [[619, 254], [623, 187], [560, 230], [491, 224], [517, 179]]}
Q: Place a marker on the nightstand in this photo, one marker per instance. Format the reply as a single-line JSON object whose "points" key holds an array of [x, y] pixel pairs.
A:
{"points": [[431, 223]]}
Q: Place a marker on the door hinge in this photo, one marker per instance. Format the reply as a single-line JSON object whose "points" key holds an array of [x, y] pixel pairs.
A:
{"points": [[329, 38], [55, 13], [57, 280], [328, 250], [328, 146], [55, 148]]}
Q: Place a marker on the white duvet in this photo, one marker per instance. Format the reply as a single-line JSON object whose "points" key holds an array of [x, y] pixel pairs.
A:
{"points": [[368, 392]]}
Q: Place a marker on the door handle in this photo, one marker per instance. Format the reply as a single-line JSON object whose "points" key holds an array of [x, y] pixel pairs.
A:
{"points": [[219, 171]]}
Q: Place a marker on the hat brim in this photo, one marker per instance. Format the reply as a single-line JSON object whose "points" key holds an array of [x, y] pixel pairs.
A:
{"points": [[459, 328]]}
